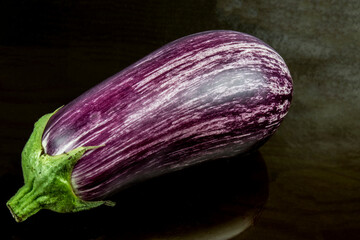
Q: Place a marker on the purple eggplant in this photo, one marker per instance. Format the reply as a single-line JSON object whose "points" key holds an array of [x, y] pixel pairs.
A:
{"points": [[205, 96]]}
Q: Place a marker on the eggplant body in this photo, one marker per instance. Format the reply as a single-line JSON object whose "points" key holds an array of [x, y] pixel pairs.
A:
{"points": [[205, 96]]}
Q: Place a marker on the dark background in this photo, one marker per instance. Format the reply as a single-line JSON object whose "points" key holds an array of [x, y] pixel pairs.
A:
{"points": [[52, 51]]}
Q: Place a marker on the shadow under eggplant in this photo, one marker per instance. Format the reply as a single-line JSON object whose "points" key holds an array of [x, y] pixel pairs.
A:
{"points": [[214, 200]]}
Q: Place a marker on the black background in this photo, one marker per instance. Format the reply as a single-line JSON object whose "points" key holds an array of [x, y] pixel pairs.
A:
{"points": [[52, 51]]}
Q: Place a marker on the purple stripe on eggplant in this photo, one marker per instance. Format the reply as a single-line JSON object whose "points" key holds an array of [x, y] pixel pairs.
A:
{"points": [[205, 96]]}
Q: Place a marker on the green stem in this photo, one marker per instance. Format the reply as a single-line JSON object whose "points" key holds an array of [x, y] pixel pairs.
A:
{"points": [[48, 179], [23, 205]]}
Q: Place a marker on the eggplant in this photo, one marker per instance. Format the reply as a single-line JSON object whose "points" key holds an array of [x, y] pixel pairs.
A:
{"points": [[206, 96]]}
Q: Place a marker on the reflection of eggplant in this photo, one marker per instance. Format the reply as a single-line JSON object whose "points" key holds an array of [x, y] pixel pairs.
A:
{"points": [[213, 200]]}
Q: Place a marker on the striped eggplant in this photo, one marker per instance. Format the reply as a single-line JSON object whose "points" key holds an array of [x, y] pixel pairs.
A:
{"points": [[205, 96]]}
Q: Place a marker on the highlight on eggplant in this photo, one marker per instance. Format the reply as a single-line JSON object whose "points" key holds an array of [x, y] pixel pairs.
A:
{"points": [[205, 96]]}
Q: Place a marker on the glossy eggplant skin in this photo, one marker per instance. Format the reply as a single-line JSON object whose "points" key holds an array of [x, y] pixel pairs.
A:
{"points": [[205, 96]]}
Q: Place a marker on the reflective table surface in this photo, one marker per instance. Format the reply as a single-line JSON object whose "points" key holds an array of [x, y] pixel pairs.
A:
{"points": [[303, 184]]}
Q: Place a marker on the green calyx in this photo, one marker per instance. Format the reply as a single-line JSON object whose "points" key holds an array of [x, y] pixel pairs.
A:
{"points": [[47, 179]]}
